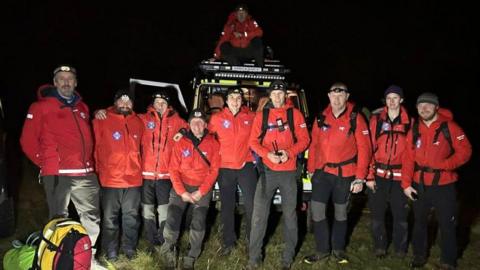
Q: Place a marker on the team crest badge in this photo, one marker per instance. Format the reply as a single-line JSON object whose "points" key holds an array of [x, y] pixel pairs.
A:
{"points": [[186, 153], [116, 135], [226, 123], [418, 143], [151, 125], [385, 126]]}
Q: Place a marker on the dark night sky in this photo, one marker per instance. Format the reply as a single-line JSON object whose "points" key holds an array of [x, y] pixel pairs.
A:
{"points": [[419, 45]]}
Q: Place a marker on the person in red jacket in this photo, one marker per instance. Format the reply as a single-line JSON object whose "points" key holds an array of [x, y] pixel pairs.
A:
{"points": [[388, 131], [338, 157], [57, 137], [241, 39], [193, 170], [161, 122], [232, 126], [119, 166], [277, 141], [437, 147]]}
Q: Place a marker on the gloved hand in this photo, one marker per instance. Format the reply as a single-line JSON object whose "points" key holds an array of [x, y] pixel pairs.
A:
{"points": [[357, 185]]}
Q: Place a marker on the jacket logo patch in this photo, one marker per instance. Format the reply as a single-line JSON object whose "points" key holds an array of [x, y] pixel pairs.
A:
{"points": [[304, 125], [385, 126], [324, 128], [226, 123], [365, 132], [151, 125], [341, 128], [418, 143], [437, 143], [135, 136], [461, 137], [29, 116], [186, 153], [116, 135], [246, 122], [83, 115]]}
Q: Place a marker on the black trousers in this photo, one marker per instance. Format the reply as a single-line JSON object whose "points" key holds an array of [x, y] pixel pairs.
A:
{"points": [[120, 204], [324, 186], [444, 200], [236, 56], [229, 179], [388, 192], [155, 193]]}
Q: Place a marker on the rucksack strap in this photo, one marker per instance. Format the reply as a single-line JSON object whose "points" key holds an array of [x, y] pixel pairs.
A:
{"points": [[424, 169], [443, 128], [353, 119], [197, 142], [265, 113], [339, 165], [290, 120], [291, 123]]}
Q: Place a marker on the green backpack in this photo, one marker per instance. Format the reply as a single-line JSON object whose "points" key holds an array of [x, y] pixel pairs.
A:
{"points": [[21, 256]]}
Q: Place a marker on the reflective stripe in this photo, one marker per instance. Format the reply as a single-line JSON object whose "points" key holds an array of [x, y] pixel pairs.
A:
{"points": [[380, 171], [86, 170], [155, 174]]}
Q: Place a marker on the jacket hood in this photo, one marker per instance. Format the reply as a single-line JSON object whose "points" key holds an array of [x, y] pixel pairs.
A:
{"points": [[50, 91], [444, 114]]}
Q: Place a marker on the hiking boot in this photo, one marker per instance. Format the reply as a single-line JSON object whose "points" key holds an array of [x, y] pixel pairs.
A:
{"points": [[188, 263], [253, 266], [446, 266], [340, 256], [315, 257], [130, 253], [399, 255], [112, 256], [418, 261], [380, 253], [225, 251], [169, 256]]}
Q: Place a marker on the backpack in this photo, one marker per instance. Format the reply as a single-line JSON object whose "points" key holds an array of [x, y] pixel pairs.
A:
{"points": [[21, 256], [291, 124], [443, 128], [64, 245], [381, 121]]}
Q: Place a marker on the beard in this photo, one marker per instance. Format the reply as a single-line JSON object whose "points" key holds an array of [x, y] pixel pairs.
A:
{"points": [[124, 111], [427, 117]]}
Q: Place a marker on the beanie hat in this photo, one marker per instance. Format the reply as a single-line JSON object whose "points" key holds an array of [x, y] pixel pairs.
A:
{"points": [[277, 85], [197, 113], [394, 89], [123, 94], [428, 97], [161, 95]]}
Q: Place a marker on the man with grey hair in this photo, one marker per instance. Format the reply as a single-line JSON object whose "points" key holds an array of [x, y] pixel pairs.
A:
{"points": [[57, 137]]}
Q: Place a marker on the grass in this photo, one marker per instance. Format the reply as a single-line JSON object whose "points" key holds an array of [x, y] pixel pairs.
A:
{"points": [[32, 215]]}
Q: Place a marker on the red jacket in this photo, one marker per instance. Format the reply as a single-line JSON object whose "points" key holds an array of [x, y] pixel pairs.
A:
{"points": [[188, 168], [436, 155], [389, 147], [284, 139], [332, 144], [249, 29], [233, 133], [157, 142], [117, 150], [57, 137]]}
